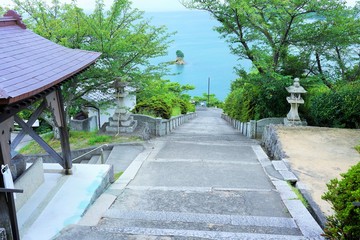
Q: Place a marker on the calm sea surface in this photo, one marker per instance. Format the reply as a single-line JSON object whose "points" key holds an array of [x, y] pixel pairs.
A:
{"points": [[206, 54]]}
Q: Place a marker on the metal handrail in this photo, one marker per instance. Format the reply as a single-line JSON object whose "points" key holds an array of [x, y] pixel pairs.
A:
{"points": [[100, 147]]}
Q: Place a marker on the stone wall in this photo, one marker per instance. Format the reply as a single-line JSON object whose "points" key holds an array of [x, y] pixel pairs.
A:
{"points": [[89, 124], [270, 141], [160, 127]]}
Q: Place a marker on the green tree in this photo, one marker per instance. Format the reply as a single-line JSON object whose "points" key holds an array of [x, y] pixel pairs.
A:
{"points": [[179, 54], [266, 32], [213, 100], [125, 38]]}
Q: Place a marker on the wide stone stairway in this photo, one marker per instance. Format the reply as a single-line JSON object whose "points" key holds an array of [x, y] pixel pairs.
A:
{"points": [[203, 181]]}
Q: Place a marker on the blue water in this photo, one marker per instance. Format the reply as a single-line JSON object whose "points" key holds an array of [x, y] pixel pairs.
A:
{"points": [[206, 54]]}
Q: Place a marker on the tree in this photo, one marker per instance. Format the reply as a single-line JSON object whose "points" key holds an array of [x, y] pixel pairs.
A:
{"points": [[179, 54], [127, 42], [213, 101], [334, 40], [267, 32]]}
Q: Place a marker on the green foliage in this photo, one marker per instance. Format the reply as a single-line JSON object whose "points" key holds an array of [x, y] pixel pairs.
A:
{"points": [[339, 107], [157, 106], [344, 224], [357, 148], [312, 37], [125, 38], [99, 139], [180, 54], [185, 106], [213, 101], [256, 96], [118, 175], [171, 94]]}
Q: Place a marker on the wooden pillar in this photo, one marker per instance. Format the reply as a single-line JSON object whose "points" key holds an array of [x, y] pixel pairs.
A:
{"points": [[8, 218], [56, 106]]}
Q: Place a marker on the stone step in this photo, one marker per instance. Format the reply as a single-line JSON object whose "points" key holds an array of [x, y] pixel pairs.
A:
{"points": [[264, 202], [95, 159], [106, 154], [135, 233], [159, 223]]}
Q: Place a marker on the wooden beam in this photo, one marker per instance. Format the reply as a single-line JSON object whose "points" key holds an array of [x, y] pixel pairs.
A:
{"points": [[40, 141], [30, 122]]}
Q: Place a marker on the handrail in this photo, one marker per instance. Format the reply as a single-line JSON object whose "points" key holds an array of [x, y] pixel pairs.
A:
{"points": [[83, 155], [10, 190]]}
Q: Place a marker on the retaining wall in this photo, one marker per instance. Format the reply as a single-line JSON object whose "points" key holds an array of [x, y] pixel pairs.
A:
{"points": [[160, 127]]}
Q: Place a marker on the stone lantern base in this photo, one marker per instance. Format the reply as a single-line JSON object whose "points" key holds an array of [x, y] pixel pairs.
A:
{"points": [[121, 122], [294, 123]]}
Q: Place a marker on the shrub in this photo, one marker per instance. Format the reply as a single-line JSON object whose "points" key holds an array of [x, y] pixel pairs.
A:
{"points": [[256, 96], [184, 106], [339, 107], [155, 106], [344, 224]]}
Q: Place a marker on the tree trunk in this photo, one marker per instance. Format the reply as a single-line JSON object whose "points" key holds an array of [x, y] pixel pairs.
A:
{"points": [[340, 62], [323, 78]]}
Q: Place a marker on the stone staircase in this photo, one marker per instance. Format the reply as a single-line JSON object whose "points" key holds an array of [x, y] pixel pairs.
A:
{"points": [[96, 157]]}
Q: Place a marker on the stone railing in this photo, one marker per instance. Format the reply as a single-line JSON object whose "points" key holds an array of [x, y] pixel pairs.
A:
{"points": [[160, 127], [252, 129]]}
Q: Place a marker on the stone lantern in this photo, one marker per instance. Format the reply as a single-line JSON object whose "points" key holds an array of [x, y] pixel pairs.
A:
{"points": [[295, 100], [121, 121]]}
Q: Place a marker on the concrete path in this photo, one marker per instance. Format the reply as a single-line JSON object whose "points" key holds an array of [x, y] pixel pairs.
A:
{"points": [[203, 181]]}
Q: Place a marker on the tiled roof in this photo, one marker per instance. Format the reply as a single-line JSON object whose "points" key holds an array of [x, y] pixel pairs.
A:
{"points": [[30, 64]]}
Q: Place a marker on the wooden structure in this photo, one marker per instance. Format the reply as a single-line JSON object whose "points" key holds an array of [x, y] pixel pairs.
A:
{"points": [[32, 69]]}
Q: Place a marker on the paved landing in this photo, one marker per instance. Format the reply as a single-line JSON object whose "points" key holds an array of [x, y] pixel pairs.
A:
{"points": [[203, 181]]}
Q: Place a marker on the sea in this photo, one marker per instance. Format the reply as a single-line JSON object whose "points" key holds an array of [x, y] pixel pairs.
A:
{"points": [[209, 63]]}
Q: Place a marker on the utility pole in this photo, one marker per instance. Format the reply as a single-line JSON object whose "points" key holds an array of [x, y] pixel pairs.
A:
{"points": [[208, 101]]}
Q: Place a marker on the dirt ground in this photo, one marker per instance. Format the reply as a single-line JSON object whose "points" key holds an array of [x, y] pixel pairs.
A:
{"points": [[317, 155]]}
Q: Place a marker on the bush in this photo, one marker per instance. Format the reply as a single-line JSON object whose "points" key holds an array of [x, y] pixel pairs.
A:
{"points": [[344, 224], [339, 107], [256, 96], [154, 106]]}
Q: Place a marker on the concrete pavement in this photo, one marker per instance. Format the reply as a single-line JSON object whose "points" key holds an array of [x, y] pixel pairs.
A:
{"points": [[203, 181]]}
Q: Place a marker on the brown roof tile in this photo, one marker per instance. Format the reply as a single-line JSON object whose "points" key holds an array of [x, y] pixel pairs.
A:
{"points": [[30, 63]]}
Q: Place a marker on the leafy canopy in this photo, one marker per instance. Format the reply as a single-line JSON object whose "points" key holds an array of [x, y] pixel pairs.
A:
{"points": [[125, 38]]}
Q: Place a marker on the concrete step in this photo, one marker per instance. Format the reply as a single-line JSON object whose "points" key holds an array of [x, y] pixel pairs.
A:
{"points": [[264, 202], [50, 209], [137, 233], [106, 154], [34, 207], [95, 159], [84, 162], [213, 226]]}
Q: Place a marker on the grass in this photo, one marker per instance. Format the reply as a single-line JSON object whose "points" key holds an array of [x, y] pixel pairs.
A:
{"points": [[78, 140], [299, 195], [118, 175], [357, 148]]}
